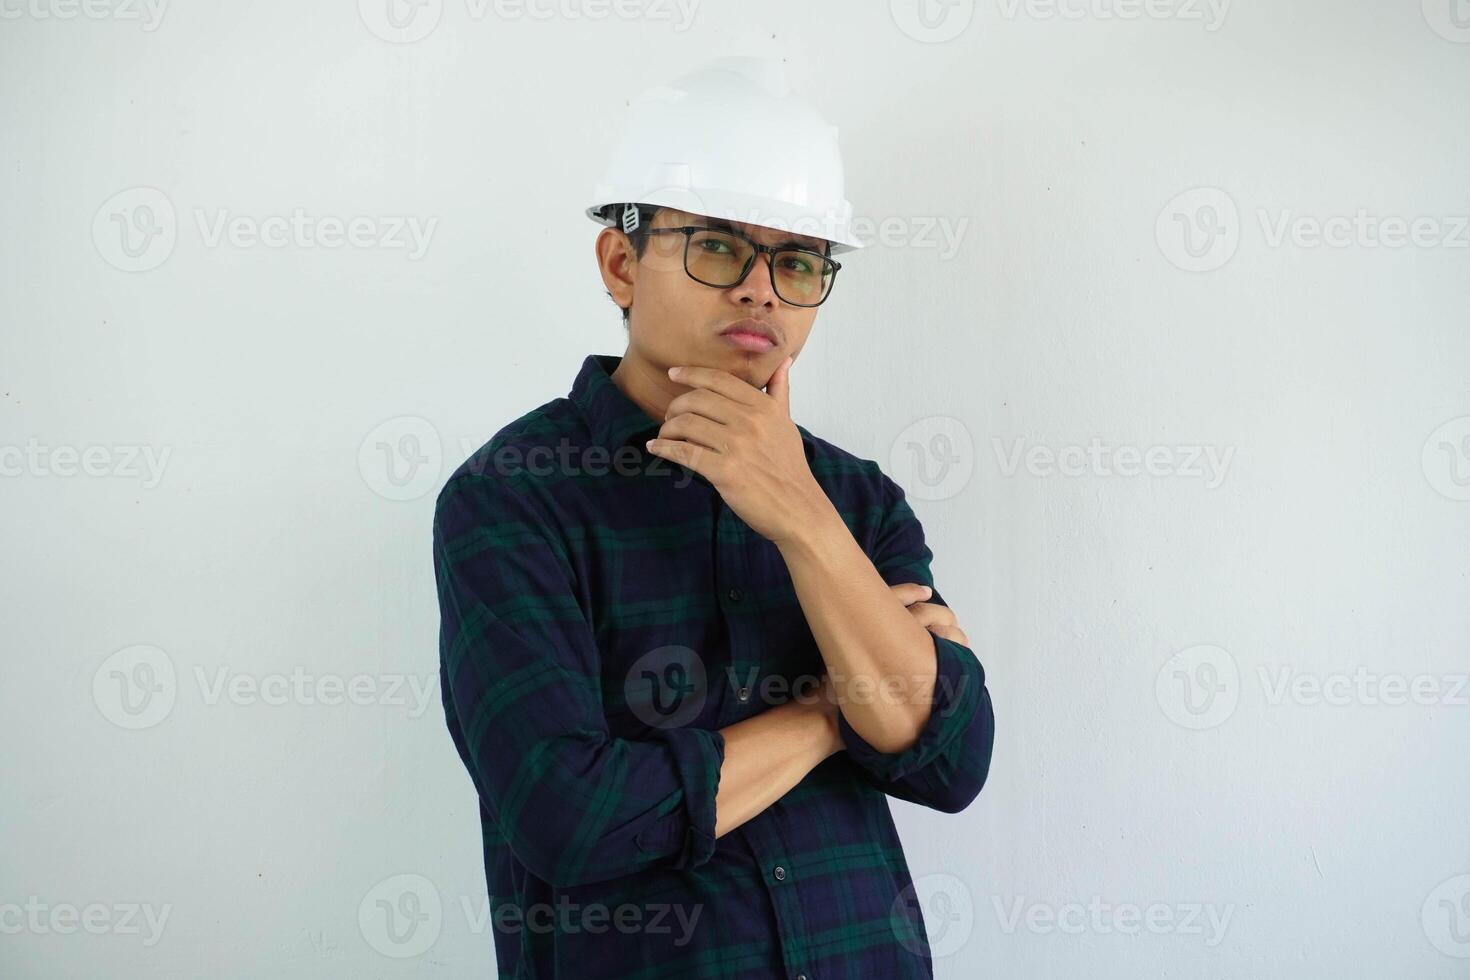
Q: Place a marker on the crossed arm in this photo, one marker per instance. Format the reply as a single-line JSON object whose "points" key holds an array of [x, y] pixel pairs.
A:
{"points": [[519, 669], [911, 704], [766, 756]]}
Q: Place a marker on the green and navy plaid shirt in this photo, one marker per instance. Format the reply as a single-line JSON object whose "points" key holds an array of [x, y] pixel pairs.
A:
{"points": [[604, 614]]}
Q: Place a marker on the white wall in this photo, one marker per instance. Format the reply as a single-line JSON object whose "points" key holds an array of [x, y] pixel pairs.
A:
{"points": [[1328, 838]]}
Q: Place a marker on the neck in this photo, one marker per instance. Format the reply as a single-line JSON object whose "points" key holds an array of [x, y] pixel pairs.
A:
{"points": [[646, 384]]}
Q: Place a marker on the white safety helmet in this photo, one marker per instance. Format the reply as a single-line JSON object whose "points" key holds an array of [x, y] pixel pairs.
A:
{"points": [[729, 141]]}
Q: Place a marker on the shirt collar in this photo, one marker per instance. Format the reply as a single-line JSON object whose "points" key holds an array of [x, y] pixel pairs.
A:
{"points": [[614, 419]]}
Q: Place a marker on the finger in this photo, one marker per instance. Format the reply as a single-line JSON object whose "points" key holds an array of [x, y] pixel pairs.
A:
{"points": [[715, 379], [932, 613], [911, 592], [697, 458], [779, 387], [703, 401], [951, 633], [698, 430]]}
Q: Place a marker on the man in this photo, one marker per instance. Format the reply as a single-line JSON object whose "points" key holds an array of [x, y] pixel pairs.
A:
{"points": [[688, 648]]}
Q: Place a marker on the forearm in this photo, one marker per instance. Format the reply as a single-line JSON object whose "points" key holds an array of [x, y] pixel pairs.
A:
{"points": [[767, 755], [880, 659]]}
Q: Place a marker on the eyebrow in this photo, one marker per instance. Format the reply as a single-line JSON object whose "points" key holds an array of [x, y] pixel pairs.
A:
{"points": [[721, 224]]}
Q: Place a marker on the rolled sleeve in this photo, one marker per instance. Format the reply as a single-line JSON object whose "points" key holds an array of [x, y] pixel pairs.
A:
{"points": [[696, 754], [947, 765], [521, 676]]}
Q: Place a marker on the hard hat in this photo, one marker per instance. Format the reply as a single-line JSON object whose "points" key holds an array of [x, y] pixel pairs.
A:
{"points": [[729, 140]]}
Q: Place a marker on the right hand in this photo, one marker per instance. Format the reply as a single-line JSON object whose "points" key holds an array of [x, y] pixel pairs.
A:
{"points": [[934, 617]]}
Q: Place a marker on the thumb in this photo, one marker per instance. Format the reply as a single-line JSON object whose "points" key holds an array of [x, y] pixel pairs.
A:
{"points": [[779, 387]]}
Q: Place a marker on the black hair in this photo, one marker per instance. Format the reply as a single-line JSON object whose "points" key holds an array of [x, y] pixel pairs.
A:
{"points": [[638, 237]]}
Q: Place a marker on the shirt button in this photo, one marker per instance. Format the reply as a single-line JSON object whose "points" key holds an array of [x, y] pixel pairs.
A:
{"points": [[801, 976], [743, 694], [734, 595], [780, 873]]}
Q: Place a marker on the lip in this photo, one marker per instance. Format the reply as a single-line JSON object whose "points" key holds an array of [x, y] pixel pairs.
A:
{"points": [[751, 334]]}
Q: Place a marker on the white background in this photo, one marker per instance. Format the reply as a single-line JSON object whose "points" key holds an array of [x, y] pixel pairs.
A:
{"points": [[1136, 628]]}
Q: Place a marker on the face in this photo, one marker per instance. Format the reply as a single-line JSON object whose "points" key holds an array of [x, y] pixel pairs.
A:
{"points": [[676, 320]]}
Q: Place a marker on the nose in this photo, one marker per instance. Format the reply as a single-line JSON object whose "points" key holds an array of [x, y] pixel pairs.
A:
{"points": [[756, 287]]}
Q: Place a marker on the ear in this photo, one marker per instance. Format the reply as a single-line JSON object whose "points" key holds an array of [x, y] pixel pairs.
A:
{"points": [[614, 262]]}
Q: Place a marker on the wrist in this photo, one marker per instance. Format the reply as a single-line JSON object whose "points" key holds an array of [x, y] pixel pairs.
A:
{"points": [[819, 719], [824, 722], [810, 523]]}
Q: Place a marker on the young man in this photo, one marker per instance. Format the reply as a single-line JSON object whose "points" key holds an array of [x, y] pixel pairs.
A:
{"points": [[688, 648]]}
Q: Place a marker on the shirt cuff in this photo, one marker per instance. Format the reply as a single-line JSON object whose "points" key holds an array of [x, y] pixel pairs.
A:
{"points": [[689, 834], [958, 683]]}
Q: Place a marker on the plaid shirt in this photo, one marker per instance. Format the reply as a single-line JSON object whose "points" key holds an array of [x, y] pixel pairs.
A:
{"points": [[603, 615]]}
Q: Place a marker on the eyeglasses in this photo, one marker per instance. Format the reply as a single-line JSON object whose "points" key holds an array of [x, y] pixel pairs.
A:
{"points": [[719, 258]]}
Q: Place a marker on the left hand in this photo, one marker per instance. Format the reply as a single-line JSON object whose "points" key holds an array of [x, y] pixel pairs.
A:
{"points": [[742, 440], [934, 617]]}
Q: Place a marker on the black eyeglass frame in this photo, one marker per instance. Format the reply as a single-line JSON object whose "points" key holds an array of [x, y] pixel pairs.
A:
{"points": [[756, 249]]}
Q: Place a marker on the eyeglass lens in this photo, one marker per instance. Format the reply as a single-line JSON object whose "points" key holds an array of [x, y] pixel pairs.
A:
{"points": [[717, 258]]}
